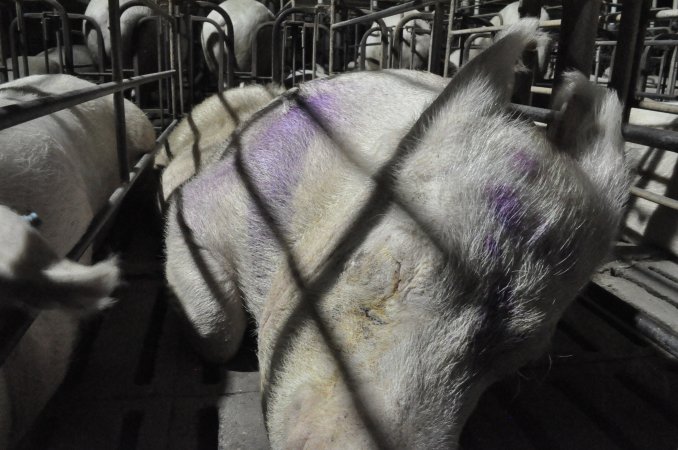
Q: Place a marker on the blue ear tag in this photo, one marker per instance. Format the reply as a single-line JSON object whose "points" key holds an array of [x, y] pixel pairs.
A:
{"points": [[33, 219]]}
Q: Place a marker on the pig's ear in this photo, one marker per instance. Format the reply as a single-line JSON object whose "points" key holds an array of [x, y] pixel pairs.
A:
{"points": [[485, 84]]}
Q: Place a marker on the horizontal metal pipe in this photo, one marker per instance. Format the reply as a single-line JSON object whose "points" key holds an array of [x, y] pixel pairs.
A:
{"points": [[409, 6], [650, 42], [652, 137], [23, 112], [655, 198], [667, 14], [542, 24], [658, 106]]}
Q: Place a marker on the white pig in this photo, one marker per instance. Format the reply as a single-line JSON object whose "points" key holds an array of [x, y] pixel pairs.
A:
{"points": [[70, 154], [404, 56], [399, 253], [194, 141], [33, 277], [245, 15]]}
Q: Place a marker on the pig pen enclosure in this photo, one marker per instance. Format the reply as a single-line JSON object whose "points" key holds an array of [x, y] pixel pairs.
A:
{"points": [[609, 379]]}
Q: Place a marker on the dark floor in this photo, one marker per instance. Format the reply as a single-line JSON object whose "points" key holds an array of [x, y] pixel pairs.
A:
{"points": [[136, 384]]}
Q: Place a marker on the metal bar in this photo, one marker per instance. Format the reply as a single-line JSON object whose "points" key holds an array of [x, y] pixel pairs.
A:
{"points": [[637, 134], [631, 37], [577, 37], [405, 7], [118, 99], [229, 29], [189, 55], [655, 198], [23, 39], [448, 37], [436, 62], [542, 24], [658, 106], [276, 62], [23, 112], [223, 39]]}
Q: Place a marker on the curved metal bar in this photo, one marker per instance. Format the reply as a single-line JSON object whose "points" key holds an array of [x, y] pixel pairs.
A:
{"points": [[100, 38], [363, 46], [65, 30], [466, 53], [404, 7], [223, 39], [398, 35], [229, 27], [276, 63], [148, 4]]}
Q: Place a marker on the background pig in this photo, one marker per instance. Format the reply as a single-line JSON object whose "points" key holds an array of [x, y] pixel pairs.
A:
{"points": [[396, 263], [194, 141], [246, 15], [98, 10], [403, 55], [82, 62], [33, 277], [64, 166]]}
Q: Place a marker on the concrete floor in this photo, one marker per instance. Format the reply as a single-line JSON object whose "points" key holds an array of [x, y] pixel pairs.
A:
{"points": [[136, 384]]}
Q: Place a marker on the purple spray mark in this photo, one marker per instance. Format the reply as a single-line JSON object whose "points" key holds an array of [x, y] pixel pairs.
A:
{"points": [[506, 205], [275, 161], [525, 163], [492, 246]]}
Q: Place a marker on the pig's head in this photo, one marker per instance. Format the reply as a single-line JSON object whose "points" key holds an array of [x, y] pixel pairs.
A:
{"points": [[490, 228], [32, 275]]}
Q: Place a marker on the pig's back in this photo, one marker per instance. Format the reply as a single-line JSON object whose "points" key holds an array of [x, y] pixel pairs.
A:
{"points": [[302, 165]]}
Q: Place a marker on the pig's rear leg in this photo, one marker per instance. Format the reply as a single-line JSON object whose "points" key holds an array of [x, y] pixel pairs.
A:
{"points": [[206, 291]]}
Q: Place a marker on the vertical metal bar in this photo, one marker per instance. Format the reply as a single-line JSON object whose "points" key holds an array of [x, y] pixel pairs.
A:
{"points": [[437, 40], [21, 23], [448, 40], [332, 19], [631, 36], [672, 71], [177, 55], [314, 50], [189, 54], [577, 37], [45, 43], [118, 99], [4, 75], [176, 77], [160, 25]]}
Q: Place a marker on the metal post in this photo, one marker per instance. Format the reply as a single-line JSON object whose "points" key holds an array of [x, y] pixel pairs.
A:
{"points": [[23, 40], [629, 49], [436, 63], [577, 37], [118, 99], [448, 38], [189, 55]]}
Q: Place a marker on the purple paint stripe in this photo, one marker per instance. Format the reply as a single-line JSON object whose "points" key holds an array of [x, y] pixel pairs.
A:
{"points": [[506, 205]]}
